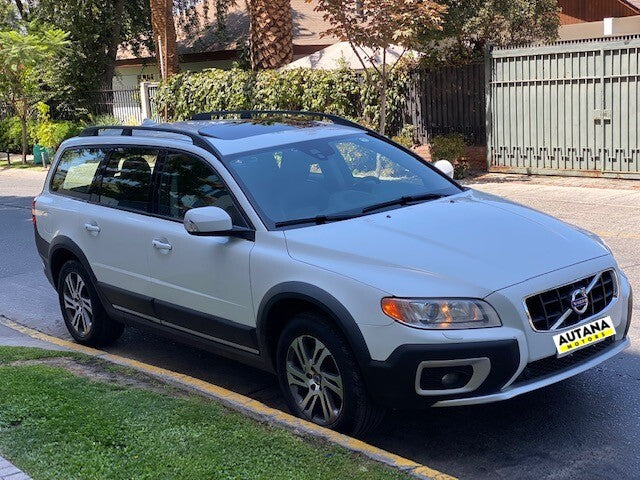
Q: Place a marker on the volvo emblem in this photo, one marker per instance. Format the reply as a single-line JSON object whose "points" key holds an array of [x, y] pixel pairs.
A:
{"points": [[580, 301]]}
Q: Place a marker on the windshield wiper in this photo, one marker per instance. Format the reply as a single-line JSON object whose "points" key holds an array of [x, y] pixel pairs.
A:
{"points": [[318, 219], [403, 201]]}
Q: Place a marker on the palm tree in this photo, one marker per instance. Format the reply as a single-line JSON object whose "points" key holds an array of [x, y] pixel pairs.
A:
{"points": [[164, 36], [270, 33]]}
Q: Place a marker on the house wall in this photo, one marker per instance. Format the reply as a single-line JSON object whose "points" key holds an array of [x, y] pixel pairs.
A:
{"points": [[130, 76], [577, 11], [621, 26]]}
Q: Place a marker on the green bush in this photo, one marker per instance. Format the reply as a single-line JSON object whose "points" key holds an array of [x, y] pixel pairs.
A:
{"points": [[51, 133], [406, 136], [97, 120], [11, 135], [451, 147], [341, 92], [448, 147]]}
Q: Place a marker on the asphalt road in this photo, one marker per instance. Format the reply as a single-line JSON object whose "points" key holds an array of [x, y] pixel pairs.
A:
{"points": [[587, 427]]}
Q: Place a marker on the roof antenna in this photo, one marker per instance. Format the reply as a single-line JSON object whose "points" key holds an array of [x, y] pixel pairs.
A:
{"points": [[148, 121]]}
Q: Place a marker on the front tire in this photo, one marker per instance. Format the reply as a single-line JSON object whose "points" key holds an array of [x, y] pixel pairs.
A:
{"points": [[82, 310], [320, 378]]}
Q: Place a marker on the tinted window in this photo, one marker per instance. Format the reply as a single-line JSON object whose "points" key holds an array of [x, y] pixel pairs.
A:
{"points": [[75, 171], [187, 182], [126, 181]]}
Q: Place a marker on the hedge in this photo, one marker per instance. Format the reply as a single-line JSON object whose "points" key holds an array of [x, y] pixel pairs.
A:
{"points": [[342, 92]]}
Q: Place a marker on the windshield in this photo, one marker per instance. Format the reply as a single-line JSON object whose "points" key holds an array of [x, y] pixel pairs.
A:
{"points": [[334, 177]]}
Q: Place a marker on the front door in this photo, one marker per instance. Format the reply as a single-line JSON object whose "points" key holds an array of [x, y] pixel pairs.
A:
{"points": [[200, 284]]}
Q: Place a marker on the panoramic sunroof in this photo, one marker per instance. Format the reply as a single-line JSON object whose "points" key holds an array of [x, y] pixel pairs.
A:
{"points": [[242, 129]]}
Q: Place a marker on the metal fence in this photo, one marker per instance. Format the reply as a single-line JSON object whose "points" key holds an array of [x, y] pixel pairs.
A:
{"points": [[448, 100], [569, 108], [122, 104]]}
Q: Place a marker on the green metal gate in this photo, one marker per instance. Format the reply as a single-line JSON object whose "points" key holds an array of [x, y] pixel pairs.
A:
{"points": [[568, 108]]}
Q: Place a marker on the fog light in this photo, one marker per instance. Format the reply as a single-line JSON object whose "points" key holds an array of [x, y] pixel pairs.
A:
{"points": [[451, 380]]}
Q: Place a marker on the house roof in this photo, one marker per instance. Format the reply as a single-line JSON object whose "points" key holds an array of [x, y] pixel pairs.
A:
{"points": [[308, 27], [635, 4]]}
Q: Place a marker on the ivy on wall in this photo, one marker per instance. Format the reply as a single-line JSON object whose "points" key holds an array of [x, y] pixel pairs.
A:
{"points": [[341, 92]]}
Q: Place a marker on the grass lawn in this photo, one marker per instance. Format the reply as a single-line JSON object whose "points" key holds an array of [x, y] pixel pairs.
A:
{"points": [[17, 163], [57, 424]]}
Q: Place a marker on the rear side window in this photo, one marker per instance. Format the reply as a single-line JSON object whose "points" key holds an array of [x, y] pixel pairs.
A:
{"points": [[75, 171], [187, 182], [126, 179]]}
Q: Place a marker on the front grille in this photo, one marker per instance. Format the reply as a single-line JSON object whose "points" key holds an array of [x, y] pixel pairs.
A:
{"points": [[546, 308], [552, 365]]}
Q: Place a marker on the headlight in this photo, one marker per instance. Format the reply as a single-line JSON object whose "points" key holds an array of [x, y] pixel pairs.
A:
{"points": [[446, 313]]}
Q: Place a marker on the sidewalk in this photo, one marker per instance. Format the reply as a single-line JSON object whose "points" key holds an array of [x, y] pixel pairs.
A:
{"points": [[8, 471], [12, 338]]}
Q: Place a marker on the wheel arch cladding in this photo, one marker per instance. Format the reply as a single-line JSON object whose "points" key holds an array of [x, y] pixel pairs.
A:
{"points": [[63, 249], [286, 299]]}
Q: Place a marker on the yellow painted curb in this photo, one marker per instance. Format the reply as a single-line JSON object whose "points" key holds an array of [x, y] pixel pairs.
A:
{"points": [[246, 405]]}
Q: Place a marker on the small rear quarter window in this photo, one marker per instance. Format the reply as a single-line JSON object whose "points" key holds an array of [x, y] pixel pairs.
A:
{"points": [[75, 171]]}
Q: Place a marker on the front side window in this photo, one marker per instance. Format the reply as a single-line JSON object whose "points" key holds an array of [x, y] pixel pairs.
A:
{"points": [[75, 171], [126, 180], [187, 182], [347, 175]]}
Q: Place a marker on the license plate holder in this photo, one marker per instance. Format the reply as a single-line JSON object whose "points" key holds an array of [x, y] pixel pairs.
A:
{"points": [[582, 336]]}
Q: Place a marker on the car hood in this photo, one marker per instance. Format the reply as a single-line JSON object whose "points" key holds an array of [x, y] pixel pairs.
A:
{"points": [[470, 244]]}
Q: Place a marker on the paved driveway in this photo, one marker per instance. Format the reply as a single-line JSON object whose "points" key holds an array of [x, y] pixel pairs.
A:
{"points": [[586, 427]]}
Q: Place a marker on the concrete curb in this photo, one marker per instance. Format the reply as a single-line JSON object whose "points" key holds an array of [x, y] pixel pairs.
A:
{"points": [[246, 406], [8, 471]]}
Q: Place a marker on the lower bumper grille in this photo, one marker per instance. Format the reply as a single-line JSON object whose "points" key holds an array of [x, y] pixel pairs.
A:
{"points": [[546, 367]]}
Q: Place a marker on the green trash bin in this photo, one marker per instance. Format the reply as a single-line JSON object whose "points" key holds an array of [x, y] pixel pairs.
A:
{"points": [[37, 154], [40, 153], [48, 155]]}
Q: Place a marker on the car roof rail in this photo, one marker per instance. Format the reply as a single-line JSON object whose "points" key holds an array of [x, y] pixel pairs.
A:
{"points": [[247, 114], [127, 131]]}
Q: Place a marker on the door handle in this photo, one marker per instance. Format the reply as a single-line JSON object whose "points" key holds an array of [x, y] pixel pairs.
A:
{"points": [[160, 245], [92, 228]]}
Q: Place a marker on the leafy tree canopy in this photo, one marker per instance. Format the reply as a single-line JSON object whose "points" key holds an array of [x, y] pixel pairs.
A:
{"points": [[475, 23], [96, 28], [28, 59], [379, 24]]}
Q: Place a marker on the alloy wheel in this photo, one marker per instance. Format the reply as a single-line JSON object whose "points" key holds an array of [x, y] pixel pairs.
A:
{"points": [[314, 380], [77, 304]]}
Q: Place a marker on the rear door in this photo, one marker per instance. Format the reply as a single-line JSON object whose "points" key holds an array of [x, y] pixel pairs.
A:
{"points": [[200, 284], [116, 226]]}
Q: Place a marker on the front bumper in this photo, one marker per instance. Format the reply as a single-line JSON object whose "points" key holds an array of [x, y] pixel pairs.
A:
{"points": [[500, 363], [519, 388]]}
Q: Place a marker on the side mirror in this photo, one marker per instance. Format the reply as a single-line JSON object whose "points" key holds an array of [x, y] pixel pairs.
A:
{"points": [[214, 222], [445, 167]]}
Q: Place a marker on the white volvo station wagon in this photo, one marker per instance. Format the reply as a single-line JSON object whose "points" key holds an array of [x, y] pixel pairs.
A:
{"points": [[318, 250]]}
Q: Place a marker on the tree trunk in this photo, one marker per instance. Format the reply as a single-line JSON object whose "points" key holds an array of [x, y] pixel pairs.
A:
{"points": [[23, 126], [382, 98], [112, 48], [270, 33], [164, 28]]}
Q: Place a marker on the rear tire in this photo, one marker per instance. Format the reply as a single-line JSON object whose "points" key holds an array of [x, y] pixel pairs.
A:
{"points": [[82, 310], [320, 378]]}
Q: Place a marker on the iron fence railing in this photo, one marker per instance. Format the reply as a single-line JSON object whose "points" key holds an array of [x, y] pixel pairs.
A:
{"points": [[122, 104], [448, 100]]}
